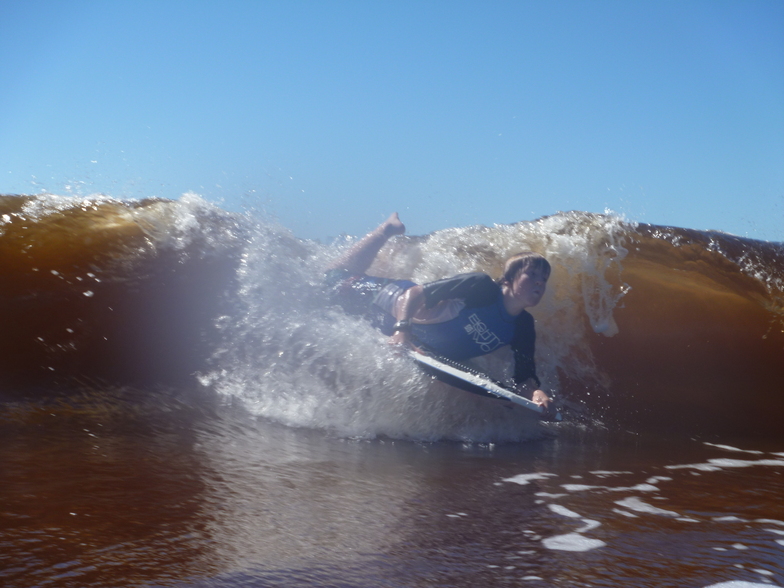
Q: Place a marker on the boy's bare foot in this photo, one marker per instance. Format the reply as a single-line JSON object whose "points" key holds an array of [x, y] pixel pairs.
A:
{"points": [[393, 226]]}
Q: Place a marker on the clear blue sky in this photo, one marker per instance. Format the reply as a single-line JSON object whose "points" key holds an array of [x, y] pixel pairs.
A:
{"points": [[331, 114]]}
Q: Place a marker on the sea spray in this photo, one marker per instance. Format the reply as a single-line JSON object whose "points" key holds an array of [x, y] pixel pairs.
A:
{"points": [[293, 358]]}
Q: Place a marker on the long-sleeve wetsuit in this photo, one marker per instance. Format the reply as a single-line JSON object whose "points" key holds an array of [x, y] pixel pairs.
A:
{"points": [[480, 327], [477, 325]]}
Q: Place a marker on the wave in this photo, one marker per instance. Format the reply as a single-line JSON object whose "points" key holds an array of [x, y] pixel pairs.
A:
{"points": [[100, 289], [648, 326]]}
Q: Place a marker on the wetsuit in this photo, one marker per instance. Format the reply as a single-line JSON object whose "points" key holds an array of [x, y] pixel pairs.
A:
{"points": [[473, 320]]}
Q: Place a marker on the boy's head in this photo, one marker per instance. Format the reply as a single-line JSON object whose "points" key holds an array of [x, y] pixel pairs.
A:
{"points": [[521, 262]]}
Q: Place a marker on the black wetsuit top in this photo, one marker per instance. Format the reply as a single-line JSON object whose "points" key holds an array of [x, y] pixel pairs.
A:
{"points": [[480, 327]]}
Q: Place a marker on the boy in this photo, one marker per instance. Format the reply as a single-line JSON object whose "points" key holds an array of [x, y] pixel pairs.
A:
{"points": [[459, 318]]}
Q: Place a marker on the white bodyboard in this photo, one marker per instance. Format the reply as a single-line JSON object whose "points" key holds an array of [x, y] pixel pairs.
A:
{"points": [[465, 378]]}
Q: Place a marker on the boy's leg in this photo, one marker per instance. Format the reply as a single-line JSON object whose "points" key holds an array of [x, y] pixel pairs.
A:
{"points": [[359, 258]]}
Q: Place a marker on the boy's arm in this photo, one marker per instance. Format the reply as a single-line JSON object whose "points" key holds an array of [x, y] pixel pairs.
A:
{"points": [[524, 348], [476, 289], [413, 301]]}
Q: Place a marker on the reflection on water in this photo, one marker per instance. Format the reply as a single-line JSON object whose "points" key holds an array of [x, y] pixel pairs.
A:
{"points": [[177, 490]]}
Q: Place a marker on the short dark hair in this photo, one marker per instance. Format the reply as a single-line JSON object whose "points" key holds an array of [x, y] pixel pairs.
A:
{"points": [[522, 261]]}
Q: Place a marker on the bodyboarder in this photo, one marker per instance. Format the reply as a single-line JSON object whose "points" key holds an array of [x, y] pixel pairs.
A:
{"points": [[461, 317]]}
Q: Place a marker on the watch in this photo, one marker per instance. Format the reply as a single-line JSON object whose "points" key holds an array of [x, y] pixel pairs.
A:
{"points": [[403, 325]]}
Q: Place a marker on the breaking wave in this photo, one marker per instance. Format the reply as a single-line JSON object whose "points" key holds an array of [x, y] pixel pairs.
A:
{"points": [[647, 326]]}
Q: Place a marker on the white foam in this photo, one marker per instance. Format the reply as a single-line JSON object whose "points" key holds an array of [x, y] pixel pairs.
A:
{"points": [[550, 494], [578, 487], [637, 505], [572, 542], [740, 463], [563, 511], [525, 479], [590, 525], [585, 487], [715, 465], [730, 448], [637, 488], [605, 473], [740, 584]]}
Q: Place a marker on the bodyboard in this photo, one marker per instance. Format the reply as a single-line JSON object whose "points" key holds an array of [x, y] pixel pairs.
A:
{"points": [[465, 378]]}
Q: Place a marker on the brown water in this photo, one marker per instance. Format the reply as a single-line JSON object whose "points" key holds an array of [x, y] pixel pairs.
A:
{"points": [[173, 492], [178, 408]]}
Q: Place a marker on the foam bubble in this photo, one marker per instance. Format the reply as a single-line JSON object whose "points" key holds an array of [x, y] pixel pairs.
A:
{"points": [[572, 542]]}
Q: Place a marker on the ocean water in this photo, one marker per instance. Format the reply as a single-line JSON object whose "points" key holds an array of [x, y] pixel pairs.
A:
{"points": [[178, 407]]}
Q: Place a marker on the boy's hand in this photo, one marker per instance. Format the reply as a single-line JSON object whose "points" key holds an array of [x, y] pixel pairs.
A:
{"points": [[541, 399], [403, 339], [400, 338]]}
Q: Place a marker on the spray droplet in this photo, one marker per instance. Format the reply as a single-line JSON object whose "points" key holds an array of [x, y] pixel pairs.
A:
{"points": [[88, 293]]}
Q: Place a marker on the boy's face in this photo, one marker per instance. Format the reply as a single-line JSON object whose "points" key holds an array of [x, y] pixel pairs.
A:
{"points": [[529, 285]]}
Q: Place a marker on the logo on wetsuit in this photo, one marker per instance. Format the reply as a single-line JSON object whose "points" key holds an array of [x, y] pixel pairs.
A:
{"points": [[482, 335]]}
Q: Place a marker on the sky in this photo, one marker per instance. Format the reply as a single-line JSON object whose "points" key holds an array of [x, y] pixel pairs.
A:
{"points": [[329, 115]]}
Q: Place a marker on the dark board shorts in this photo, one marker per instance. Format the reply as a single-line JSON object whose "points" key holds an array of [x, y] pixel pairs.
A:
{"points": [[368, 296]]}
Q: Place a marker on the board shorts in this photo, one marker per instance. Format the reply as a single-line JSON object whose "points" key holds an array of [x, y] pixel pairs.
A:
{"points": [[371, 297]]}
